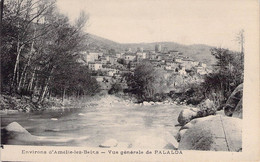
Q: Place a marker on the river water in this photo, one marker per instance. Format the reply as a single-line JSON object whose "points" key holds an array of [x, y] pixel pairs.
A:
{"points": [[92, 126]]}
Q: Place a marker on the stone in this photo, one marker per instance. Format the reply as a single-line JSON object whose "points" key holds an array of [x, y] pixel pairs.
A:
{"points": [[180, 134], [220, 112], [214, 133], [15, 127], [145, 103], [189, 125], [238, 112], [109, 143], [233, 100], [187, 115], [15, 134]]}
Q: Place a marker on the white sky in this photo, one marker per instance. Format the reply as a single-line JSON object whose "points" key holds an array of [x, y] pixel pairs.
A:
{"points": [[212, 22]]}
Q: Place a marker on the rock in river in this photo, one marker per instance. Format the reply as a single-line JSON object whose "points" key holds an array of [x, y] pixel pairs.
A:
{"points": [[109, 143], [16, 134], [217, 133], [16, 128], [187, 115]]}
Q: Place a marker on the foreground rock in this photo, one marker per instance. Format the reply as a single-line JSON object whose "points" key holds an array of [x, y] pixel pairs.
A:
{"points": [[206, 108], [233, 101], [238, 112], [189, 125], [213, 133], [187, 115], [14, 133]]}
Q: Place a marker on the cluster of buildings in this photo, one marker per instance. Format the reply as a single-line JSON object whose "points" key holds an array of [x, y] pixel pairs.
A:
{"points": [[171, 61]]}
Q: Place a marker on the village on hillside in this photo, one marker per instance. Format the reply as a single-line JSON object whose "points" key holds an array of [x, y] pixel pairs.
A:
{"points": [[106, 66]]}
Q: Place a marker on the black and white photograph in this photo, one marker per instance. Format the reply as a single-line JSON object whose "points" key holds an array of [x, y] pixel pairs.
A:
{"points": [[128, 77]]}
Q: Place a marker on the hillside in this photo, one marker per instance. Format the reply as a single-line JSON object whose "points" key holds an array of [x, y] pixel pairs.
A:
{"points": [[198, 52]]}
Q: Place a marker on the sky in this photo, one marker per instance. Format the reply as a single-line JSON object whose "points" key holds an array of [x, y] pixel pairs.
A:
{"points": [[211, 22]]}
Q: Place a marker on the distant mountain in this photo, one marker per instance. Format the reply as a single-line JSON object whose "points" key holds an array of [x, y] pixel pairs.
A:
{"points": [[198, 52]]}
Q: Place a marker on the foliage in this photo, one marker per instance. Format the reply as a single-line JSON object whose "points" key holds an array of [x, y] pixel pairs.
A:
{"points": [[115, 88], [227, 75], [145, 81], [40, 50]]}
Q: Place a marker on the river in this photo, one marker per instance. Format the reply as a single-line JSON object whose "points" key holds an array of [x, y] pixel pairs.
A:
{"points": [[92, 126]]}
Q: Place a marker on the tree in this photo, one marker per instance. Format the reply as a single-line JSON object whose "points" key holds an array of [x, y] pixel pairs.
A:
{"points": [[41, 49], [21, 29], [240, 38], [61, 51], [115, 88], [146, 81], [227, 75]]}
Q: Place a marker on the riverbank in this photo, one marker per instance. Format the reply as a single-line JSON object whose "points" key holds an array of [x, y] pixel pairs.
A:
{"points": [[26, 104], [14, 104]]}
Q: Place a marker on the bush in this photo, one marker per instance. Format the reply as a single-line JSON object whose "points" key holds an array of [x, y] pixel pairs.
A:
{"points": [[145, 81], [227, 75], [115, 88]]}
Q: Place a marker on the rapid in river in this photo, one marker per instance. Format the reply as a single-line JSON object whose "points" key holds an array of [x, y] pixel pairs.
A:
{"points": [[91, 126]]}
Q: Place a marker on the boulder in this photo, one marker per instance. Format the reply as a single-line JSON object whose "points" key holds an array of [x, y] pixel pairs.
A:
{"points": [[187, 115], [213, 133], [15, 134], [180, 134], [189, 125], [16, 128], [233, 100], [220, 112], [145, 103], [238, 112], [109, 143]]}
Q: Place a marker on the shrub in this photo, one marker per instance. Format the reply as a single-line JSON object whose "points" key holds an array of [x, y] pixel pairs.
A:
{"points": [[115, 88]]}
